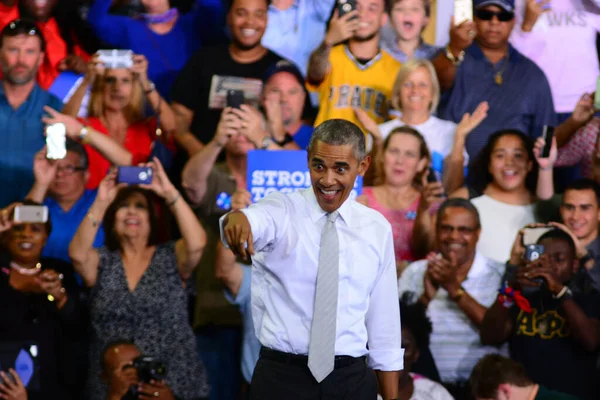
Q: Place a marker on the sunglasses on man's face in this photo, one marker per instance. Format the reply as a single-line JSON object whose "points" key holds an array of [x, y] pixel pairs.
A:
{"points": [[487, 15]]}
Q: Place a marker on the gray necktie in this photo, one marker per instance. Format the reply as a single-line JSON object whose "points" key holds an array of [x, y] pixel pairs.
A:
{"points": [[321, 349]]}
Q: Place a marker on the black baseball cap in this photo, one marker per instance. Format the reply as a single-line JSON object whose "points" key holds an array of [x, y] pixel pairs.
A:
{"points": [[284, 66]]}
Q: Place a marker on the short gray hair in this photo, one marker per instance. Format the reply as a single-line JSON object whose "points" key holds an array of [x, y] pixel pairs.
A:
{"points": [[339, 132]]}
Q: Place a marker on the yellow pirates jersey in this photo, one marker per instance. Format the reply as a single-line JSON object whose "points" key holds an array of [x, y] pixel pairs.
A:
{"points": [[350, 84]]}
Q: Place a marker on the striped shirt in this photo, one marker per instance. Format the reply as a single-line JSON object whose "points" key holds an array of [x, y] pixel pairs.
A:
{"points": [[455, 342]]}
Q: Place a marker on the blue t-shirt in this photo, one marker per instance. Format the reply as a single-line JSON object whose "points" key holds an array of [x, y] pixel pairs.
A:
{"points": [[302, 137], [21, 137], [166, 53], [66, 223], [523, 101], [251, 345]]}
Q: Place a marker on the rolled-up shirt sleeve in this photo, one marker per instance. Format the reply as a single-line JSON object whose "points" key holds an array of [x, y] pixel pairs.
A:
{"points": [[383, 316], [266, 218]]}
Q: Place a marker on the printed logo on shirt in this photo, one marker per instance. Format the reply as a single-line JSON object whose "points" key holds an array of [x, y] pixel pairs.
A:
{"points": [[410, 215], [357, 96], [217, 97], [224, 201], [548, 325], [566, 19]]}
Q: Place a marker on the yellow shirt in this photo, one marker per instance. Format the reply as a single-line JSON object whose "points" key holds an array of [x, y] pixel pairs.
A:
{"points": [[349, 84]]}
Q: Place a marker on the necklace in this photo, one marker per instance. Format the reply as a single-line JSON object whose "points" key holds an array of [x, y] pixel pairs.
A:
{"points": [[26, 271], [498, 74]]}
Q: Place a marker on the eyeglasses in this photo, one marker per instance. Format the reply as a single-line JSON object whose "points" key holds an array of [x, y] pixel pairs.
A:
{"points": [[24, 26], [69, 169], [487, 15], [462, 230]]}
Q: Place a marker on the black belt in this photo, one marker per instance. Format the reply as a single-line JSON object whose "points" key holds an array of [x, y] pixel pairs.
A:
{"points": [[301, 360]]}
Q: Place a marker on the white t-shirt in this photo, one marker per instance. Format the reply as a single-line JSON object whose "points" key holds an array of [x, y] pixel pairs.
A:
{"points": [[500, 223], [438, 133], [426, 389]]}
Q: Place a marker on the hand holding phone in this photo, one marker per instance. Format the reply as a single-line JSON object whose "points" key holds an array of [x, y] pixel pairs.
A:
{"points": [[235, 98], [548, 135]]}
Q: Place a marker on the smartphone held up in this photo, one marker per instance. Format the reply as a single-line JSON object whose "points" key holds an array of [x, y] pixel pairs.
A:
{"points": [[135, 175], [30, 214], [56, 141], [463, 11]]}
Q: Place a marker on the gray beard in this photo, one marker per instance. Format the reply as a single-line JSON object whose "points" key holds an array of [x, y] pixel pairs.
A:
{"points": [[18, 81]]}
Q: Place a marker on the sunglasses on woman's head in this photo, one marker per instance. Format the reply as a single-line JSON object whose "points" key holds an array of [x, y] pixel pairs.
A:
{"points": [[487, 15]]}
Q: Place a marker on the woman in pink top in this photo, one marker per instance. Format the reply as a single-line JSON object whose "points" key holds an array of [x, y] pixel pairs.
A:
{"points": [[400, 170]]}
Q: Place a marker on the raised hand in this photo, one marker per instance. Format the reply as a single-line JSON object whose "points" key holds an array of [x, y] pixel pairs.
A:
{"points": [[121, 379], [108, 188], [238, 235], [548, 162], [533, 10], [11, 387], [443, 272], [72, 125], [241, 199], [6, 217], [229, 126], [72, 63], [341, 29], [94, 69], [580, 249], [584, 109], [51, 283], [540, 269], [44, 170], [461, 36], [472, 121], [252, 124], [140, 68], [155, 390], [161, 185], [369, 124], [432, 194]]}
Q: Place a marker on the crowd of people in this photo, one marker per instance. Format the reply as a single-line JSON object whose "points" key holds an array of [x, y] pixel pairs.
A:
{"points": [[127, 291]]}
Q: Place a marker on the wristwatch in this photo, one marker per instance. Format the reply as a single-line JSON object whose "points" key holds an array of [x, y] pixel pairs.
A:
{"points": [[455, 60], [151, 89], [459, 294], [266, 143], [83, 134], [564, 293], [286, 139]]}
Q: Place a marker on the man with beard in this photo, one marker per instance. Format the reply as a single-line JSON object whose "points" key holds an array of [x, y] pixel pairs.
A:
{"points": [[479, 65], [22, 104], [457, 285], [349, 70]]}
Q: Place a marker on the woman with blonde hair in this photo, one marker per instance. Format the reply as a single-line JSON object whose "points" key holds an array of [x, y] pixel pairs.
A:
{"points": [[416, 94], [117, 109]]}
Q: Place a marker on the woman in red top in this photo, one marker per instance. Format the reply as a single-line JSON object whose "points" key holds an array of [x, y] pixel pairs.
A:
{"points": [[116, 109]]}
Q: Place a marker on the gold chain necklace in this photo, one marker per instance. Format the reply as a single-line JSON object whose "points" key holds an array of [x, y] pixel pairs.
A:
{"points": [[498, 74]]}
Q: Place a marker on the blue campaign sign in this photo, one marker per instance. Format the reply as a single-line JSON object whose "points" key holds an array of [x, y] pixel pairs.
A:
{"points": [[63, 87], [284, 171]]}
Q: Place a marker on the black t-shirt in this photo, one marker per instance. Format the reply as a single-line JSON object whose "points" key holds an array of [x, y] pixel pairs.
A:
{"points": [[545, 345], [212, 69]]}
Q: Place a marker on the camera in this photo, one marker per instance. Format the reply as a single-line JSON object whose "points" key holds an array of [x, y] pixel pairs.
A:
{"points": [[148, 369]]}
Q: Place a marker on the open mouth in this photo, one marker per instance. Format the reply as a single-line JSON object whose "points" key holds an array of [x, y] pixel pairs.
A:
{"points": [[249, 32], [328, 195], [25, 245], [132, 222]]}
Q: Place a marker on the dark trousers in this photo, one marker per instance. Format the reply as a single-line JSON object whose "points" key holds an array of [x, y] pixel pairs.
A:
{"points": [[282, 376]]}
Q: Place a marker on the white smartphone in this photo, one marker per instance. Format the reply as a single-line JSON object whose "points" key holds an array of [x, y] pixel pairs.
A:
{"points": [[31, 214], [463, 11], [56, 141], [116, 58]]}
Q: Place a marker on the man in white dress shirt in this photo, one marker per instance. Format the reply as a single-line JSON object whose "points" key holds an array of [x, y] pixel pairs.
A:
{"points": [[457, 285], [324, 297]]}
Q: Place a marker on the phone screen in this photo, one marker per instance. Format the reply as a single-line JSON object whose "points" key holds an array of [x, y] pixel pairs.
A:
{"points": [[463, 11], [548, 137], [56, 141], [235, 98]]}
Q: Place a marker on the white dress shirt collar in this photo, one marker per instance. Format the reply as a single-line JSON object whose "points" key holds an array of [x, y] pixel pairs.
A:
{"points": [[316, 212]]}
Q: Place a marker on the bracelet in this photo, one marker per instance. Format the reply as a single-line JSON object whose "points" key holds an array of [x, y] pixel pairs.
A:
{"points": [[174, 200], [565, 291], [90, 216], [456, 61], [459, 294]]}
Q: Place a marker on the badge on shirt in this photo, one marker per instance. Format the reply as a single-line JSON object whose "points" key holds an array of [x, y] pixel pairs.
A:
{"points": [[224, 201], [410, 215]]}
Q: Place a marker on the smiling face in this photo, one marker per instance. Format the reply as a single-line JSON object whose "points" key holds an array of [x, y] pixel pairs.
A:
{"points": [[25, 242], [509, 163], [333, 171], [371, 16], [493, 34], [402, 159], [581, 213], [457, 234], [247, 22], [416, 92], [132, 218], [409, 18], [118, 88]]}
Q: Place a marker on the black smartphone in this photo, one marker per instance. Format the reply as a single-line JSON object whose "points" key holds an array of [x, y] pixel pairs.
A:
{"points": [[235, 98], [345, 6], [134, 175], [548, 135], [532, 253], [432, 176]]}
